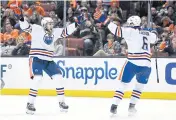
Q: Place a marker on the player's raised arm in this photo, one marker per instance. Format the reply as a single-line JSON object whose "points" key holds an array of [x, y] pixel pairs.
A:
{"points": [[24, 25], [153, 37], [112, 27], [133, 23], [64, 32], [117, 30]]}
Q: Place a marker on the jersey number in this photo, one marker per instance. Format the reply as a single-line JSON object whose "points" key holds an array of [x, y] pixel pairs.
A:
{"points": [[145, 44]]}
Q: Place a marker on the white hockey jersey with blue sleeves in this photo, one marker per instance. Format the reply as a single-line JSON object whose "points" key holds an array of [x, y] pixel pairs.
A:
{"points": [[42, 45], [138, 42]]}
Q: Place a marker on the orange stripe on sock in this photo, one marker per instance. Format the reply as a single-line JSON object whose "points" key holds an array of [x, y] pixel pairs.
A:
{"points": [[121, 72], [59, 91], [35, 93], [117, 94], [136, 94], [30, 67]]}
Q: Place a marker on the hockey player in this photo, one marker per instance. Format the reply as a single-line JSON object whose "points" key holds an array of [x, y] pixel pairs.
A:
{"points": [[40, 56], [138, 61]]}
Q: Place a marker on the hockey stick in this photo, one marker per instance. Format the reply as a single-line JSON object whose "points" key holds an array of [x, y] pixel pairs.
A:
{"points": [[156, 62]]}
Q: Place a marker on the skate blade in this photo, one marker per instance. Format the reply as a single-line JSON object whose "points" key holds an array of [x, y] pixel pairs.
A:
{"points": [[131, 114], [112, 115], [64, 110], [30, 112]]}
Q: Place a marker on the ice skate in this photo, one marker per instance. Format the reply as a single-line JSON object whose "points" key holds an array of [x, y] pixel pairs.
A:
{"points": [[113, 109], [132, 110], [30, 109], [63, 107]]}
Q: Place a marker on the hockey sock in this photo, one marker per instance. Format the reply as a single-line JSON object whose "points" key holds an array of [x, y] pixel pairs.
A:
{"points": [[34, 88], [119, 93], [58, 79], [136, 94]]}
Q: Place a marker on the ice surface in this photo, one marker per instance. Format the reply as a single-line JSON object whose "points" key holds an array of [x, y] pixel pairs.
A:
{"points": [[14, 108]]}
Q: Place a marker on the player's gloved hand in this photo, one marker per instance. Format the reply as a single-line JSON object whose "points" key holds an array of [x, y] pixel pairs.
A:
{"points": [[77, 25], [155, 32], [18, 12]]}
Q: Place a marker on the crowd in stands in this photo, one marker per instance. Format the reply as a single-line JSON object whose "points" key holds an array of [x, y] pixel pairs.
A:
{"points": [[92, 37]]}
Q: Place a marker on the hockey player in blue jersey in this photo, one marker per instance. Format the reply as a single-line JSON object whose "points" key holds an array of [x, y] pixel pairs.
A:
{"points": [[40, 56], [138, 61]]}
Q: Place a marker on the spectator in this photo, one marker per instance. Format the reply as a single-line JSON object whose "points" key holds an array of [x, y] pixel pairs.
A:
{"points": [[73, 10], [37, 8], [99, 14], [167, 24], [70, 13], [169, 47], [163, 10], [57, 22], [59, 48], [115, 9], [85, 3], [21, 48], [83, 17], [101, 19], [5, 20], [124, 50], [2, 38], [85, 22], [170, 14], [52, 14], [155, 17], [10, 33], [25, 6], [144, 22], [8, 13], [35, 18], [26, 38], [7, 48], [14, 3], [112, 48], [174, 32]]}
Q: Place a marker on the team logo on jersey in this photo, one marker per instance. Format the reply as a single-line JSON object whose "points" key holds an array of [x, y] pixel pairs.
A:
{"points": [[48, 39]]}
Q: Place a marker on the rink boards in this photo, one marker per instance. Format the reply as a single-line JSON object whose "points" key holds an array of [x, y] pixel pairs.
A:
{"points": [[89, 77]]}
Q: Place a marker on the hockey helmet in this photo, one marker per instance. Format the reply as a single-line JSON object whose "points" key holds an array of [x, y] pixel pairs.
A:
{"points": [[134, 21], [47, 23]]}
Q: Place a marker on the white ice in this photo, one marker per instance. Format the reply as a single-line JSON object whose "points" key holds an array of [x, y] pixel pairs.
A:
{"points": [[14, 107]]}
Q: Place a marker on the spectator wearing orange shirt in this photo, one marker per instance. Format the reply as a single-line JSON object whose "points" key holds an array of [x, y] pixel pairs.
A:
{"points": [[10, 34], [115, 10], [36, 7], [9, 40], [167, 24], [14, 3], [26, 38], [1, 37]]}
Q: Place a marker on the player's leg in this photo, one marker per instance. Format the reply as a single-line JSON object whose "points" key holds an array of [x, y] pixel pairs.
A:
{"points": [[35, 67], [126, 75], [53, 71], [142, 76]]}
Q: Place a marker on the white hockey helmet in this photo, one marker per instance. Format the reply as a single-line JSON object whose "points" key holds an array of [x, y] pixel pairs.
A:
{"points": [[134, 21], [47, 23]]}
